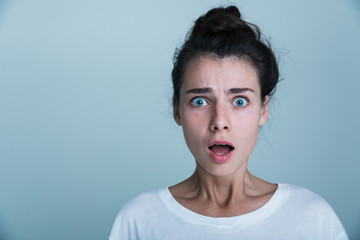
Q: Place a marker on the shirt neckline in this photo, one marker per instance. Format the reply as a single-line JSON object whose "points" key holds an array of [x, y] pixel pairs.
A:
{"points": [[258, 215]]}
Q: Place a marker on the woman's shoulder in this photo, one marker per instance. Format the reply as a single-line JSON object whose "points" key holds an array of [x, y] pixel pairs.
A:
{"points": [[308, 202], [310, 209], [143, 203], [301, 194], [134, 213]]}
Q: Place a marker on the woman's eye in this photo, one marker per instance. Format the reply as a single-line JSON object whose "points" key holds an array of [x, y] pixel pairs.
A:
{"points": [[199, 102], [240, 102]]}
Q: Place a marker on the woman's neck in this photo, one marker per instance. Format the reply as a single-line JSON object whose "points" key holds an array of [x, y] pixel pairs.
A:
{"points": [[222, 190], [219, 196]]}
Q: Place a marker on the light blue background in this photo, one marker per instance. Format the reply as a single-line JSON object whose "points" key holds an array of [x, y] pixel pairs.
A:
{"points": [[85, 108]]}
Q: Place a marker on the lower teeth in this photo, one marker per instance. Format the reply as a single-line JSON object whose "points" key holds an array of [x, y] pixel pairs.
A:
{"points": [[220, 154]]}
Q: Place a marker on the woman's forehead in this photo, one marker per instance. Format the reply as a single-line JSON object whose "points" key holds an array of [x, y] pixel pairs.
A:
{"points": [[210, 72]]}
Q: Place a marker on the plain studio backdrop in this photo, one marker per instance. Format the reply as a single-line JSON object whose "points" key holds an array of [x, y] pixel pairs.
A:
{"points": [[85, 108]]}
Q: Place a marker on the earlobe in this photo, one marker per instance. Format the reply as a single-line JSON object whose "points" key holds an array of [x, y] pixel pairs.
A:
{"points": [[176, 113], [264, 112], [177, 116]]}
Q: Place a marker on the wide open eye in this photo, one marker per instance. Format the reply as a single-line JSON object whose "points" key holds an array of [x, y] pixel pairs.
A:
{"points": [[240, 102], [199, 102]]}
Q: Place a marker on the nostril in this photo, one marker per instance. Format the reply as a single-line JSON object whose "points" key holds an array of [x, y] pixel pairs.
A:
{"points": [[216, 128]]}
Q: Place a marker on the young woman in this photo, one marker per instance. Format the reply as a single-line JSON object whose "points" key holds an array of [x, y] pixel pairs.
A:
{"points": [[223, 77]]}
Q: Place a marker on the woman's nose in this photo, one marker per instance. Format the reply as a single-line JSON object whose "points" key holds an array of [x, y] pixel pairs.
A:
{"points": [[220, 120]]}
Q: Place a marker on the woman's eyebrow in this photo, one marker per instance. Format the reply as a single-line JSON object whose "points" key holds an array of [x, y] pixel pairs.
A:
{"points": [[239, 90], [199, 90]]}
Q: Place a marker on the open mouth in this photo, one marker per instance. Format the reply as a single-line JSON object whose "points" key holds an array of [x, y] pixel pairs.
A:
{"points": [[221, 149]]}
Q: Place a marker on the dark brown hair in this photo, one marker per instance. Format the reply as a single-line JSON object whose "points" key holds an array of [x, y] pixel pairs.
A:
{"points": [[221, 33]]}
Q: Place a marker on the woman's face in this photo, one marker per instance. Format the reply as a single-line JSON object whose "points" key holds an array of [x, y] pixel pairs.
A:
{"points": [[220, 112]]}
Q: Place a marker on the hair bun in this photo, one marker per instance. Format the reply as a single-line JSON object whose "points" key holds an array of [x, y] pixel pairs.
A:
{"points": [[221, 20], [232, 10]]}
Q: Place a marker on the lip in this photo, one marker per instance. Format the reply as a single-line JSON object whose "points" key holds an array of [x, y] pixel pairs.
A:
{"points": [[220, 142], [220, 158]]}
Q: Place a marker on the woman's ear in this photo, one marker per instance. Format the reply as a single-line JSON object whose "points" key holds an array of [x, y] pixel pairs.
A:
{"points": [[176, 112], [264, 112]]}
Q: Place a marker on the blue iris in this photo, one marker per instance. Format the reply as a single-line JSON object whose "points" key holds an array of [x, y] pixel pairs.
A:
{"points": [[240, 102], [199, 102]]}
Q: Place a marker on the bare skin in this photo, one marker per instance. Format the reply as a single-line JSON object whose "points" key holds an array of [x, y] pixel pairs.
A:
{"points": [[222, 196]]}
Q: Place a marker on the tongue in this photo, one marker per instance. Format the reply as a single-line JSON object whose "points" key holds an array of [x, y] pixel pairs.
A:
{"points": [[221, 149]]}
